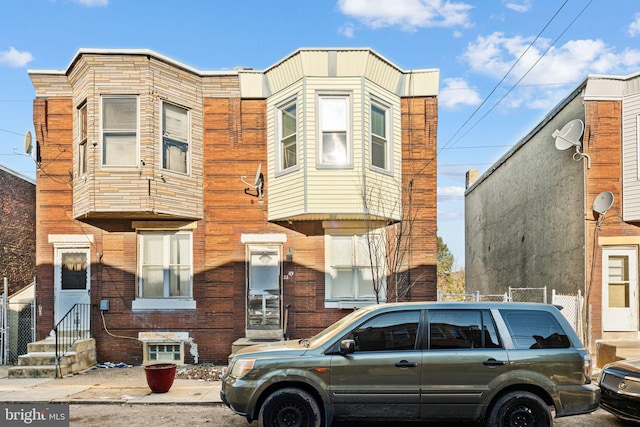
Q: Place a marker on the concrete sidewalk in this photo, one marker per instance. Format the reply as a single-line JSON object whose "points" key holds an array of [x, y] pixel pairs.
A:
{"points": [[102, 385]]}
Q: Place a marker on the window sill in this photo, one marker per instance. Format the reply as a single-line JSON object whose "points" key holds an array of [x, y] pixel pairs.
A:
{"points": [[349, 304], [143, 304]]}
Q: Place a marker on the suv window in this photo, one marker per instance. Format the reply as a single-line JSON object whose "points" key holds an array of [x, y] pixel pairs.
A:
{"points": [[456, 329], [535, 329], [388, 331]]}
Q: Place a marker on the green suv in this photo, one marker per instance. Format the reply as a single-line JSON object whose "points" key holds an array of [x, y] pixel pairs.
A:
{"points": [[506, 364]]}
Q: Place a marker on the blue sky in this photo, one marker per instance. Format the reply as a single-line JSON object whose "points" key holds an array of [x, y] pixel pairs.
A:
{"points": [[503, 63]]}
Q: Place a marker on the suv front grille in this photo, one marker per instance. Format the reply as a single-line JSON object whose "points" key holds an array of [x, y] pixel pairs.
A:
{"points": [[621, 384]]}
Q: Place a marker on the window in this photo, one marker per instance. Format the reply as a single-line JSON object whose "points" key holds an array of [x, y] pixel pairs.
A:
{"points": [[175, 138], [389, 331], [335, 149], [164, 352], [535, 330], [119, 130], [459, 329], [379, 136], [82, 137], [74, 270], [356, 262], [288, 128], [619, 281], [166, 268]]}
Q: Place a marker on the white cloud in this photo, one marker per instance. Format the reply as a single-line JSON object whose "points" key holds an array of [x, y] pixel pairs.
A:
{"points": [[92, 3], [634, 28], [450, 192], [518, 6], [494, 55], [14, 58], [456, 92], [408, 14], [347, 30]]}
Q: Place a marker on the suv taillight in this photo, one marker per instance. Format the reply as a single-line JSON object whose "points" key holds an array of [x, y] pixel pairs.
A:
{"points": [[587, 368]]}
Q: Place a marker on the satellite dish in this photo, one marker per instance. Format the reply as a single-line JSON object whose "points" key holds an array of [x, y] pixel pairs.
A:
{"points": [[603, 202], [258, 179], [28, 145], [258, 184], [569, 136]]}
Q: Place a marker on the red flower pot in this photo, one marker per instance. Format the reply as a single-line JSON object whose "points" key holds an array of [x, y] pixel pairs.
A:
{"points": [[160, 376]]}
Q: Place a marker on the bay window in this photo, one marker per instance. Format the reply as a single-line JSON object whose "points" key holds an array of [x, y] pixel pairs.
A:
{"points": [[175, 138], [119, 130], [379, 136], [288, 135], [334, 127]]}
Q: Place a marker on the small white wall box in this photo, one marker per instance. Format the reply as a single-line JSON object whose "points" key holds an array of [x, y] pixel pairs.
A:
{"points": [[104, 305]]}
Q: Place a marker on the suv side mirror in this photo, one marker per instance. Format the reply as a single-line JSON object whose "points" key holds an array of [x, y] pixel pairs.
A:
{"points": [[347, 347]]}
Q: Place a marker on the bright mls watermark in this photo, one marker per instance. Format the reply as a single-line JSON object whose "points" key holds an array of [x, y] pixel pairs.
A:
{"points": [[30, 414]]}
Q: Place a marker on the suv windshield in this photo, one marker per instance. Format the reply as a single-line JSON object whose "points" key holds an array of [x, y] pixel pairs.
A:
{"points": [[332, 330]]}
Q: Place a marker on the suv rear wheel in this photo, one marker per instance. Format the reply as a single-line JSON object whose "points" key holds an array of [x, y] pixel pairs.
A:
{"points": [[290, 407], [519, 409]]}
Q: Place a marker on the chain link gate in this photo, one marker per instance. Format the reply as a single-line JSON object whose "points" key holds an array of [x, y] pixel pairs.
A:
{"points": [[17, 325]]}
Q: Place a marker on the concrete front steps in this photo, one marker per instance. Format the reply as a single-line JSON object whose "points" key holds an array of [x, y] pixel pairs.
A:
{"points": [[608, 351], [40, 361]]}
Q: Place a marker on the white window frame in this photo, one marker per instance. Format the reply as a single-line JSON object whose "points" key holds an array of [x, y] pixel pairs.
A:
{"points": [[104, 132], [167, 301], [321, 162], [281, 149], [386, 139], [83, 133], [620, 318], [357, 296], [165, 137]]}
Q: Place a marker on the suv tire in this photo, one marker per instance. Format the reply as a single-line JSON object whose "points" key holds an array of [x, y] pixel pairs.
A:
{"points": [[290, 407], [520, 408]]}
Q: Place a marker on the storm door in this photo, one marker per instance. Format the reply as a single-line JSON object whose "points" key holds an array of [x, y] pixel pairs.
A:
{"points": [[72, 280], [264, 306], [619, 289]]}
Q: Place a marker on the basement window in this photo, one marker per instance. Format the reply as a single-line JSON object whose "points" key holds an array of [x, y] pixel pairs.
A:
{"points": [[161, 352]]}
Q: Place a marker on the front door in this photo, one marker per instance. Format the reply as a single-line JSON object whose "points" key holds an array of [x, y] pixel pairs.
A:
{"points": [[620, 289], [264, 292], [72, 281]]}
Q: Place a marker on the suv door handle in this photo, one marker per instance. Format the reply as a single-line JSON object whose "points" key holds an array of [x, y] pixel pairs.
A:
{"points": [[405, 364], [493, 362]]}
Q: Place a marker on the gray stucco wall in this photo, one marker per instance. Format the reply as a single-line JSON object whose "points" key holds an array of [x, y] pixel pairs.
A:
{"points": [[524, 222]]}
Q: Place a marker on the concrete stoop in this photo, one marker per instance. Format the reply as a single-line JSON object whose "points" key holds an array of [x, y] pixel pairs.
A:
{"points": [[608, 351], [40, 361]]}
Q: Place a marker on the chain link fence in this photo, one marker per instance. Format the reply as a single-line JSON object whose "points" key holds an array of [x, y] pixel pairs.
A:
{"points": [[17, 323], [572, 305]]}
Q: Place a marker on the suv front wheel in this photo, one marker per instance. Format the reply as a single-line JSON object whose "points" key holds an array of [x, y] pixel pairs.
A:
{"points": [[290, 407], [519, 408]]}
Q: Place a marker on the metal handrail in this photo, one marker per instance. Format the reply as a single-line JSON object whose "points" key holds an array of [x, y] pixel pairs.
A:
{"points": [[72, 327]]}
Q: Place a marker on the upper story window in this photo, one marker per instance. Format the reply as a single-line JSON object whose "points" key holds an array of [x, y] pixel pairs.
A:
{"points": [[83, 153], [288, 135], [334, 127], [175, 138], [380, 146], [119, 130]]}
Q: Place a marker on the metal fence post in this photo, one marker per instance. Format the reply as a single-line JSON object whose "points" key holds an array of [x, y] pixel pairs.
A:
{"points": [[5, 324]]}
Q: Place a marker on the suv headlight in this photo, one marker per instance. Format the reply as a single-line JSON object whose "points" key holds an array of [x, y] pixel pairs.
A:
{"points": [[242, 367]]}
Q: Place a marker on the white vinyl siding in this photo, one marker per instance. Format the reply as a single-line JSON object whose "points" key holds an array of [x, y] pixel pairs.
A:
{"points": [[631, 157]]}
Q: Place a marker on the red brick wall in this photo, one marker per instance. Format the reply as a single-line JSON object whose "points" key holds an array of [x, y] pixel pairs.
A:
{"points": [[603, 143], [18, 236], [234, 145]]}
